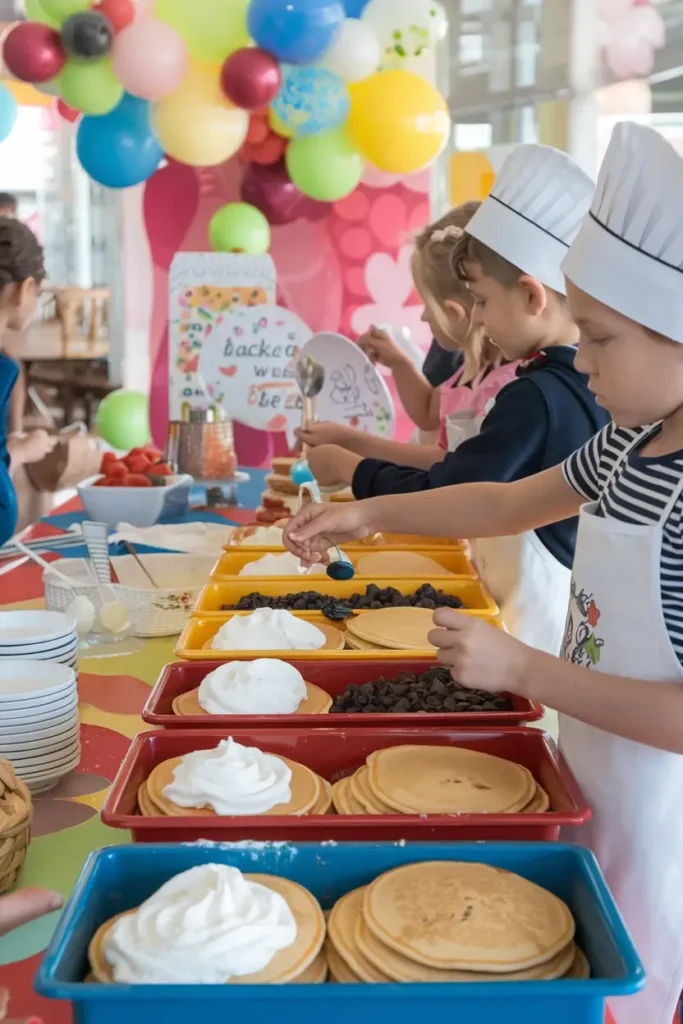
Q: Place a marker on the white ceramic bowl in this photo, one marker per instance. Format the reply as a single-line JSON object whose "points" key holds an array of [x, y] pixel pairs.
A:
{"points": [[54, 711], [22, 630], [20, 744], [139, 506]]}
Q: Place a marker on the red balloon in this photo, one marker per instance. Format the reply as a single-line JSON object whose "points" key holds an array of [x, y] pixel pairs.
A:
{"points": [[251, 78], [33, 52], [272, 192], [272, 149], [68, 113], [119, 12]]}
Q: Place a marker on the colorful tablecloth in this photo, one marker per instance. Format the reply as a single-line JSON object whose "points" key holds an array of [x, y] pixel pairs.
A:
{"points": [[67, 827]]}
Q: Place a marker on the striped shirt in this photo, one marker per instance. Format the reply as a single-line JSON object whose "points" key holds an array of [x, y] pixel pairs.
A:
{"points": [[638, 493]]}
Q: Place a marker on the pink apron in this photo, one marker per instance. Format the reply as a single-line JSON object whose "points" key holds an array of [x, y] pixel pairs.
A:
{"points": [[463, 409]]}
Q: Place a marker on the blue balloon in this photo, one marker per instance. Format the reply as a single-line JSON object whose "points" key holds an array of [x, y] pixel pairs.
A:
{"points": [[312, 100], [119, 149], [354, 8], [8, 112], [295, 31]]}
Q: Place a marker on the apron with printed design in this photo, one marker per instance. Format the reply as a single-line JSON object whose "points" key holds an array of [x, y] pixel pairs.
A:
{"points": [[615, 624]]}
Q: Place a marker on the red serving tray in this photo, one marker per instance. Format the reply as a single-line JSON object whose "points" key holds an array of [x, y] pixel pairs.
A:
{"points": [[332, 676], [333, 753]]}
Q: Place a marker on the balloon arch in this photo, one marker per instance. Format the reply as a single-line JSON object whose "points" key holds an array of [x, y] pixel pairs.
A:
{"points": [[308, 93]]}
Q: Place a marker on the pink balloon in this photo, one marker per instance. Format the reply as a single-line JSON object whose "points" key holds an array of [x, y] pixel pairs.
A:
{"points": [[150, 59]]}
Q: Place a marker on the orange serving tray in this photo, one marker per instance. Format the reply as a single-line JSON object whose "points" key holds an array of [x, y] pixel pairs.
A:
{"points": [[453, 561], [199, 629], [219, 592]]}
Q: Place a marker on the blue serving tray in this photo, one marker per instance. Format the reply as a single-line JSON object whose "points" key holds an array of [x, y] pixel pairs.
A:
{"points": [[121, 877]]}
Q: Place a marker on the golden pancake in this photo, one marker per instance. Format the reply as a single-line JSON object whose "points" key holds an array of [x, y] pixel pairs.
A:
{"points": [[317, 702], [146, 806], [364, 795], [282, 464], [324, 799], [287, 964], [379, 564], [344, 800], [315, 973], [399, 968], [539, 803], [341, 928], [466, 917], [334, 641], [304, 786], [356, 644], [340, 972], [448, 780], [280, 483], [402, 629], [580, 969]]}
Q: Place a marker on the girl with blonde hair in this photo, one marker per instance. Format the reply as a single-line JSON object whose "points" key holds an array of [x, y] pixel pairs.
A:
{"points": [[457, 408]]}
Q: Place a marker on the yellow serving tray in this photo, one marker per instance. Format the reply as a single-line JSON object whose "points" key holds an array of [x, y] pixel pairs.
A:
{"points": [[201, 628], [473, 594], [389, 542], [229, 564]]}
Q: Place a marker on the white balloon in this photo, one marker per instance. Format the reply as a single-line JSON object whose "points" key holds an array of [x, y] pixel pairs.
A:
{"points": [[405, 28], [355, 54]]}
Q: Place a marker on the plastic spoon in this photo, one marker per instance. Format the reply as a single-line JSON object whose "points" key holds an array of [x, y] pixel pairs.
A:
{"points": [[341, 568]]}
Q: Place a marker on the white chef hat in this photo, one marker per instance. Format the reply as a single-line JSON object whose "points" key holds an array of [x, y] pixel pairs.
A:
{"points": [[629, 252], [534, 211]]}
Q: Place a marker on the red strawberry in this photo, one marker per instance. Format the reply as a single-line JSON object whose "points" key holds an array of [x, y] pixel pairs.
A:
{"points": [[117, 470], [136, 480]]}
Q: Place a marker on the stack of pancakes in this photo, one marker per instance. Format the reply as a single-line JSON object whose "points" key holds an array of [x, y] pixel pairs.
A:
{"points": [[444, 921], [310, 793], [396, 629], [422, 780], [317, 702], [303, 962]]}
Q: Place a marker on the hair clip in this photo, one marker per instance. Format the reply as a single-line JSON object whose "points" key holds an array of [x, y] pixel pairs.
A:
{"points": [[441, 234]]}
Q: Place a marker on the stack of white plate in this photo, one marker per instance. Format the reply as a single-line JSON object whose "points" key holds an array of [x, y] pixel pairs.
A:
{"points": [[39, 727], [38, 636]]}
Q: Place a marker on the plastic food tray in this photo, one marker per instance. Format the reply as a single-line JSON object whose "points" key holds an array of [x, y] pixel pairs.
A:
{"points": [[334, 753], [389, 542], [333, 677], [453, 561], [121, 877], [199, 629], [473, 594]]}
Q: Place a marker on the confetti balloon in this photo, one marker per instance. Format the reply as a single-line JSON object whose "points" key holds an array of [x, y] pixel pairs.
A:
{"points": [[311, 100]]}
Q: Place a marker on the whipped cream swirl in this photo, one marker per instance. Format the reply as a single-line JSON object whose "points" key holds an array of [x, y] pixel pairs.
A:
{"points": [[231, 779], [266, 686], [264, 536], [203, 927], [286, 564], [267, 629]]}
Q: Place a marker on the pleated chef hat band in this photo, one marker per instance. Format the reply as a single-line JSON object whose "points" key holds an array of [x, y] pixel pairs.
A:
{"points": [[629, 251], [534, 211]]}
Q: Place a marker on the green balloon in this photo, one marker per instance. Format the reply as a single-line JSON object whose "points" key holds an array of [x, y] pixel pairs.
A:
{"points": [[212, 29], [34, 12], [123, 419], [325, 167], [59, 10], [90, 86], [239, 227]]}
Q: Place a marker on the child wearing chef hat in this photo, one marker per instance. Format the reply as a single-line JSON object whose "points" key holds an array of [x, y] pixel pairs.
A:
{"points": [[619, 685], [509, 257]]}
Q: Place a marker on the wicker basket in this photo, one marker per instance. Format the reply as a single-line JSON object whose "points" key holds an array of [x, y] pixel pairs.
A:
{"points": [[16, 815]]}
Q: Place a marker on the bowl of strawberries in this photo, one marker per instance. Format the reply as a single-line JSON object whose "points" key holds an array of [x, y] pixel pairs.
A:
{"points": [[138, 488]]}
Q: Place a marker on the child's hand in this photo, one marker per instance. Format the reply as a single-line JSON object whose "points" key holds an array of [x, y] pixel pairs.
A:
{"points": [[314, 434], [316, 528], [381, 348], [480, 656], [26, 905], [332, 465], [29, 448]]}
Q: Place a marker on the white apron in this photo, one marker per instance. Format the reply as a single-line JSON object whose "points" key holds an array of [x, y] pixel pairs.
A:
{"points": [[616, 625]]}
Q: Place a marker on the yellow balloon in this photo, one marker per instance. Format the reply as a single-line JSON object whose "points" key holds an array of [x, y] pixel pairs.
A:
{"points": [[195, 124], [398, 121]]}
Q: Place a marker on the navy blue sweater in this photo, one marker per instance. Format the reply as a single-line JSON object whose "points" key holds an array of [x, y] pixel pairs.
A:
{"points": [[8, 498], [537, 421]]}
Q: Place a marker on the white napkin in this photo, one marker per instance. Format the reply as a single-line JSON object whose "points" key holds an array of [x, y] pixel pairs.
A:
{"points": [[190, 538]]}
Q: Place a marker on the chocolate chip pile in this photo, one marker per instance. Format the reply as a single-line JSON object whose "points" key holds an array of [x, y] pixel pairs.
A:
{"points": [[430, 692], [338, 608]]}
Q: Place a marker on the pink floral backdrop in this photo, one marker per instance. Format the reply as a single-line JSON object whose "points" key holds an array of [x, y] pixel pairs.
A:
{"points": [[343, 270]]}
